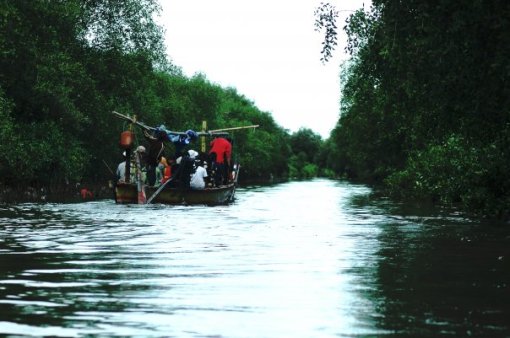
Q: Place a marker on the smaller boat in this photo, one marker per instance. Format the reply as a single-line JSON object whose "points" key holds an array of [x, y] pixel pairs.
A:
{"points": [[171, 192]]}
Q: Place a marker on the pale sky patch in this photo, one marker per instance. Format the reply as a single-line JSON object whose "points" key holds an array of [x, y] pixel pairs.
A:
{"points": [[267, 49]]}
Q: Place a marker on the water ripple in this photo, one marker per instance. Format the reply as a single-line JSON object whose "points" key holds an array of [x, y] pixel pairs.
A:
{"points": [[302, 259]]}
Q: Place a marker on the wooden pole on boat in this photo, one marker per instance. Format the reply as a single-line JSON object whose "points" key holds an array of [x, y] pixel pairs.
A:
{"points": [[156, 193], [206, 133], [127, 177], [202, 137], [128, 157], [109, 169], [133, 120], [233, 128], [139, 179], [142, 125]]}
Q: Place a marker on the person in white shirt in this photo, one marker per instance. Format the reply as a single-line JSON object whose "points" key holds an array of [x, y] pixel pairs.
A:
{"points": [[121, 169], [121, 172], [198, 179]]}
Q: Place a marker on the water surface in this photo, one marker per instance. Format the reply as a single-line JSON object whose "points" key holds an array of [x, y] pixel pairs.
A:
{"points": [[301, 259]]}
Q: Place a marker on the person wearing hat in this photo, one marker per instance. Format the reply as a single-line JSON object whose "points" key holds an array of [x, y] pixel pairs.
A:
{"points": [[140, 168]]}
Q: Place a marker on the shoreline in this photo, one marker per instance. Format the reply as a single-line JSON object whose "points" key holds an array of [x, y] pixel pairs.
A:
{"points": [[58, 194], [74, 193]]}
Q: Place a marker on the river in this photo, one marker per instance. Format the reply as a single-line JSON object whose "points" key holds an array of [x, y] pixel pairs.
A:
{"points": [[301, 259]]}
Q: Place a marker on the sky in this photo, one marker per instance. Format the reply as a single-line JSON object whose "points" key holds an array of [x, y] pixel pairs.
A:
{"points": [[267, 49]]}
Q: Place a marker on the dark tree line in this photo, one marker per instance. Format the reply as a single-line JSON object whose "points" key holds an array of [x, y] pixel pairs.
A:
{"points": [[426, 102], [66, 65]]}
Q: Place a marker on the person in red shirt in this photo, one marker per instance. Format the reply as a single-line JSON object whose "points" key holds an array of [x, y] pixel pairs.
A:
{"points": [[221, 154]]}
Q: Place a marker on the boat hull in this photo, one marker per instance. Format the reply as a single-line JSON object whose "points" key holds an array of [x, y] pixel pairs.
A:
{"points": [[127, 194]]}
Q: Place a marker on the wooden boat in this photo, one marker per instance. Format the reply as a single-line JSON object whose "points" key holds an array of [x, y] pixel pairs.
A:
{"points": [[128, 193], [135, 191]]}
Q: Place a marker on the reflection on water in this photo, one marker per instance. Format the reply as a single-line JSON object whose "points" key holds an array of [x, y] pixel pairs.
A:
{"points": [[301, 259]]}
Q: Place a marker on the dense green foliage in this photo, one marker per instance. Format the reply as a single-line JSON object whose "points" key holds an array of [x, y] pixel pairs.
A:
{"points": [[306, 151], [426, 102], [67, 64]]}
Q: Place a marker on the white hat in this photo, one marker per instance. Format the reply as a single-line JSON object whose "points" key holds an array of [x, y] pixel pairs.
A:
{"points": [[192, 153], [140, 149]]}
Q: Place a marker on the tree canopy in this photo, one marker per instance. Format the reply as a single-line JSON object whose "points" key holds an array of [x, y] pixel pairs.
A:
{"points": [[67, 64], [425, 102]]}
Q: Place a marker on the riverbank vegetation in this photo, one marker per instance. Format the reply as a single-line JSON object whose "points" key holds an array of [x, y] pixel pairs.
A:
{"points": [[66, 65], [424, 108], [426, 102]]}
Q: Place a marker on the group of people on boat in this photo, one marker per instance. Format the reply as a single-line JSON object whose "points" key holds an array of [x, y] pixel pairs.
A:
{"points": [[187, 169]]}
